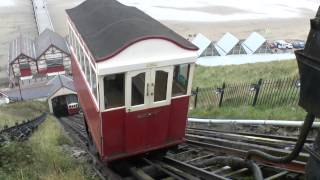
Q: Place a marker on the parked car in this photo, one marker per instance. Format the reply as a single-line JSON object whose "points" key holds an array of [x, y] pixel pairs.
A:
{"points": [[289, 46], [298, 44], [281, 44]]}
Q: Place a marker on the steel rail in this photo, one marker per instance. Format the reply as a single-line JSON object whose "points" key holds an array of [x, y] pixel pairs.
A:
{"points": [[246, 146], [268, 136], [99, 167], [23, 130], [247, 139], [171, 165], [294, 166], [192, 169]]}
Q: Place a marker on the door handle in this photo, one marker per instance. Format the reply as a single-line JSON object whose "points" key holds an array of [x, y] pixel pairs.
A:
{"points": [[147, 89], [152, 93]]}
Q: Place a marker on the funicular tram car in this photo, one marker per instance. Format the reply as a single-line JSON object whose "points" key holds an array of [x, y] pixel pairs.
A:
{"points": [[73, 105], [133, 77]]}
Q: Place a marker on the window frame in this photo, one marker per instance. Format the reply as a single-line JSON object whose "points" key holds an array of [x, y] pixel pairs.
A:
{"points": [[167, 101], [128, 92], [101, 93], [190, 79], [150, 79], [82, 56], [93, 77], [87, 66]]}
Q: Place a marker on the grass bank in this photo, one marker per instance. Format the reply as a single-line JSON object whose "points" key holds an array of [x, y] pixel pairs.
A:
{"points": [[211, 76], [233, 74], [247, 112], [19, 111], [41, 157], [45, 155]]}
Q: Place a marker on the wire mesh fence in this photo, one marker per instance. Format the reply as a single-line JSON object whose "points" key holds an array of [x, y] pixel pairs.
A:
{"points": [[268, 93]]}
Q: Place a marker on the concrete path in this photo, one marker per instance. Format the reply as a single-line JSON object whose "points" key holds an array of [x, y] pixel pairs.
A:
{"points": [[287, 123], [243, 59], [42, 15]]}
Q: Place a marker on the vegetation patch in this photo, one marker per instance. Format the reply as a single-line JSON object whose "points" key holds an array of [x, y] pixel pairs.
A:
{"points": [[44, 155], [41, 157], [248, 112], [19, 111], [215, 76], [211, 77]]}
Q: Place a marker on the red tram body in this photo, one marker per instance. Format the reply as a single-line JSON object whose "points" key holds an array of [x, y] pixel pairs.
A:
{"points": [[133, 77], [73, 108]]}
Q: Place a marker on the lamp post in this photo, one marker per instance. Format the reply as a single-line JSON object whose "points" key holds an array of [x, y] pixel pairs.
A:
{"points": [[20, 90]]}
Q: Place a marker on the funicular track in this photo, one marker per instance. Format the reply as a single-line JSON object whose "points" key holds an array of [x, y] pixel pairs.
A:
{"points": [[184, 161], [21, 131]]}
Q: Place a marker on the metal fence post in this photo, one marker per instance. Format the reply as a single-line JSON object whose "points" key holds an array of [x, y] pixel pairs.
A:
{"points": [[196, 98], [257, 88], [221, 94]]}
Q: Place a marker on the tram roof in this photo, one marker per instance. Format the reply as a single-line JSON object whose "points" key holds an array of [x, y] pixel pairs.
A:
{"points": [[108, 27]]}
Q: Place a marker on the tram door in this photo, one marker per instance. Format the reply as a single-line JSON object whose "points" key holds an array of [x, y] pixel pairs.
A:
{"points": [[148, 96]]}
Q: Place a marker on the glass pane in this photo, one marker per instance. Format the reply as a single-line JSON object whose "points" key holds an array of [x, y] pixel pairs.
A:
{"points": [[83, 61], [114, 91], [88, 69], [138, 86], [94, 84], [160, 88], [180, 79], [78, 52]]}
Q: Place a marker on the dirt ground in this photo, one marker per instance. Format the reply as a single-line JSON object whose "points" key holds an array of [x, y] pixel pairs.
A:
{"points": [[290, 28], [15, 20], [271, 29]]}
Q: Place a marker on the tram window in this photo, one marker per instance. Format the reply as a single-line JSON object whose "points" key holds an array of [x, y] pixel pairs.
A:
{"points": [[160, 89], [114, 90], [88, 69], [94, 83], [73, 40], [137, 91], [83, 61], [180, 79], [78, 51]]}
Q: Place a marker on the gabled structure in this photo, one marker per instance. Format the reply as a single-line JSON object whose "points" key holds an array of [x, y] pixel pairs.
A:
{"points": [[52, 53], [201, 42], [47, 55], [264, 49], [226, 43], [60, 86], [210, 50], [237, 49], [22, 58], [253, 43]]}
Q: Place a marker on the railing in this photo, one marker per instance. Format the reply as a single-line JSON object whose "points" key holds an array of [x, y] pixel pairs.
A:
{"points": [[268, 93]]}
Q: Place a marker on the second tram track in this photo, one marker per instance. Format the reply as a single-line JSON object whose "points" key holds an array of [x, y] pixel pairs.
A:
{"points": [[178, 162]]}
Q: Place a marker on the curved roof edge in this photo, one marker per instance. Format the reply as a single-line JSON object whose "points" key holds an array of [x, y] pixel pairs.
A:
{"points": [[107, 27], [125, 46]]}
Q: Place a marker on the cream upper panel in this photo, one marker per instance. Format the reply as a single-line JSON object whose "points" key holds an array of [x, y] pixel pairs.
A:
{"points": [[146, 54]]}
